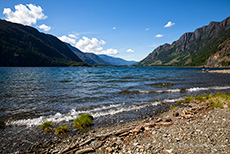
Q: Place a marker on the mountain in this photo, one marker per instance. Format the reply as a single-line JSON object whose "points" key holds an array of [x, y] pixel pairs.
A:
{"points": [[222, 57], [90, 58], [25, 46], [116, 61], [193, 48]]}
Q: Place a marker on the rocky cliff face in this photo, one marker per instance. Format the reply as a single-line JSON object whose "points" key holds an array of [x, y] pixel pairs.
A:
{"points": [[191, 49], [221, 58]]}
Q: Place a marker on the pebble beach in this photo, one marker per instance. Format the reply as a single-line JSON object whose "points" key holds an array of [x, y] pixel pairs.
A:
{"points": [[192, 127]]}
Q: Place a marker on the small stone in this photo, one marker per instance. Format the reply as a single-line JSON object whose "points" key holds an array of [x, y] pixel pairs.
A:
{"points": [[158, 120], [168, 120], [109, 149], [176, 114]]}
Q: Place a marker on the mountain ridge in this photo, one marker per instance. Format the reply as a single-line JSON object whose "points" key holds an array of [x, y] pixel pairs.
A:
{"points": [[89, 58], [192, 48], [116, 61], [25, 46]]}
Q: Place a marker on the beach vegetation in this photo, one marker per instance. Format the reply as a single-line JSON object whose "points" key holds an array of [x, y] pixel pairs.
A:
{"points": [[189, 99], [156, 100], [180, 102], [217, 105], [201, 98], [46, 126], [182, 90], [173, 108], [210, 96], [62, 130], [83, 121]]}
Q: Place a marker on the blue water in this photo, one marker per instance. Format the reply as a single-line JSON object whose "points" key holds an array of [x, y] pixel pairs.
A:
{"points": [[30, 95]]}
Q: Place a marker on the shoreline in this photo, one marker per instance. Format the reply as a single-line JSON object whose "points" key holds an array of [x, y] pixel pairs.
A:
{"points": [[189, 127], [161, 132], [220, 71]]}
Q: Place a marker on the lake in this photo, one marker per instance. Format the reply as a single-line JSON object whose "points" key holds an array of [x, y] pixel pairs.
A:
{"points": [[31, 95]]}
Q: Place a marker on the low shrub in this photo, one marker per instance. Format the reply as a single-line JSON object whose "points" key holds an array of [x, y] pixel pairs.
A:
{"points": [[173, 108], [83, 121], [62, 130]]}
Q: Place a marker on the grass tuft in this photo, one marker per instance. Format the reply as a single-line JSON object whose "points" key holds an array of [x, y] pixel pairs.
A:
{"points": [[156, 100], [47, 126], [217, 105], [62, 130], [173, 108], [189, 99], [180, 102], [83, 121]]}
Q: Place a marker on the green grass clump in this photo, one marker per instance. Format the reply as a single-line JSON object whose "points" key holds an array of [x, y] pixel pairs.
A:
{"points": [[180, 102], [173, 108], [156, 100], [47, 126], [189, 99], [62, 130], [83, 121], [217, 105], [202, 98], [210, 96]]}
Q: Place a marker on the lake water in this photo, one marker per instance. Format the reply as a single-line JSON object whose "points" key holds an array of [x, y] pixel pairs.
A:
{"points": [[31, 95]]}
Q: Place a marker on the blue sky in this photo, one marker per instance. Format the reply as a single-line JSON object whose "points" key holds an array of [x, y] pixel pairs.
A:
{"points": [[130, 29]]}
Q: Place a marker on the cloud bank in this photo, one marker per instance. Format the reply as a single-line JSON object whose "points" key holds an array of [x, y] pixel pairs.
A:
{"points": [[88, 45], [169, 24], [24, 14]]}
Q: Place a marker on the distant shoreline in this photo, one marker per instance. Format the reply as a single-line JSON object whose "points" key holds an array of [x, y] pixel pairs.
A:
{"points": [[220, 71]]}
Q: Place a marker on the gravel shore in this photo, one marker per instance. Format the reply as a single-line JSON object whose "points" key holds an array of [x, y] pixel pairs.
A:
{"points": [[193, 127], [220, 71], [188, 128]]}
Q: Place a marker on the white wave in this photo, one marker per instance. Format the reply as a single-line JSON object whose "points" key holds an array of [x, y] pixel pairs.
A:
{"points": [[172, 100], [73, 114], [58, 117], [207, 88]]}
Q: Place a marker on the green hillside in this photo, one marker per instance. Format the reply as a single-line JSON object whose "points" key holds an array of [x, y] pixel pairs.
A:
{"points": [[25, 46]]}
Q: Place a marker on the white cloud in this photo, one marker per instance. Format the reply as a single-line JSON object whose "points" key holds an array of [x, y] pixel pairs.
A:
{"points": [[130, 50], [147, 29], [169, 24], [90, 45], [67, 39], [73, 36], [25, 14], [114, 28], [44, 27], [109, 52], [159, 35]]}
